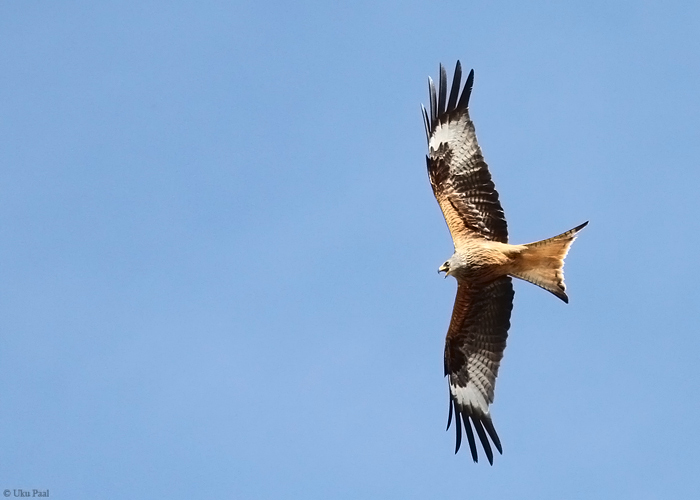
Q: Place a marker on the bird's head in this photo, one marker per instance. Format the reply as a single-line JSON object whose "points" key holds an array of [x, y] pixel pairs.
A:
{"points": [[451, 265]]}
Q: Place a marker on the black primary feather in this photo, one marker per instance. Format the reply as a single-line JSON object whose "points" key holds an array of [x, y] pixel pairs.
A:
{"points": [[443, 91], [470, 437], [484, 440], [426, 121], [454, 93], [433, 105], [458, 426], [488, 425], [449, 417], [467, 92]]}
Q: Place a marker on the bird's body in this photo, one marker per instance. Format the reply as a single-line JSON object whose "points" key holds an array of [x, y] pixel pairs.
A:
{"points": [[479, 261], [483, 261]]}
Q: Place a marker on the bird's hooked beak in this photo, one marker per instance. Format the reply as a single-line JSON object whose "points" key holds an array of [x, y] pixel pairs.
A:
{"points": [[444, 269]]}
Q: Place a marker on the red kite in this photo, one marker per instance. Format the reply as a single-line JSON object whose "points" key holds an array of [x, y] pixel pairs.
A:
{"points": [[483, 261]]}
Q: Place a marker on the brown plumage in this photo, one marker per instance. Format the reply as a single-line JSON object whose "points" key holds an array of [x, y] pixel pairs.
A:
{"points": [[482, 263]]}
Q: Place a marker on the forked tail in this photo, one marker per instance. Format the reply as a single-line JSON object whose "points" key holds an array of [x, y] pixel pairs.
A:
{"points": [[542, 262]]}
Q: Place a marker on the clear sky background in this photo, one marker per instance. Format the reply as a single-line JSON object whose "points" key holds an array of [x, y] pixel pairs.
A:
{"points": [[218, 248]]}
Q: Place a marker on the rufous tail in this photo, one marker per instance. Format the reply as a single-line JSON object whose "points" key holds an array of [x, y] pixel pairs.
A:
{"points": [[542, 262]]}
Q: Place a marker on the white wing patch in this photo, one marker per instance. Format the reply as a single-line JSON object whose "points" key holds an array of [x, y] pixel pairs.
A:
{"points": [[470, 397], [451, 133], [460, 137]]}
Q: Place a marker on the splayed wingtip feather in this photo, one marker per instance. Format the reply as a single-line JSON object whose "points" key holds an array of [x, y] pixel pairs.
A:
{"points": [[467, 92], [470, 438], [442, 97], [484, 440], [454, 92]]}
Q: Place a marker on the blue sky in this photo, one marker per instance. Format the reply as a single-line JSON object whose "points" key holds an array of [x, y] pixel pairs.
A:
{"points": [[219, 247]]}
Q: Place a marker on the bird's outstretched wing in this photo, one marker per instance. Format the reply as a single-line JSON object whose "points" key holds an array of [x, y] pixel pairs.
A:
{"points": [[474, 347], [458, 173]]}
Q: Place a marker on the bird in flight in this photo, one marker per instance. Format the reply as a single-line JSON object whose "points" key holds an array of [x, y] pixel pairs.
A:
{"points": [[483, 261]]}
